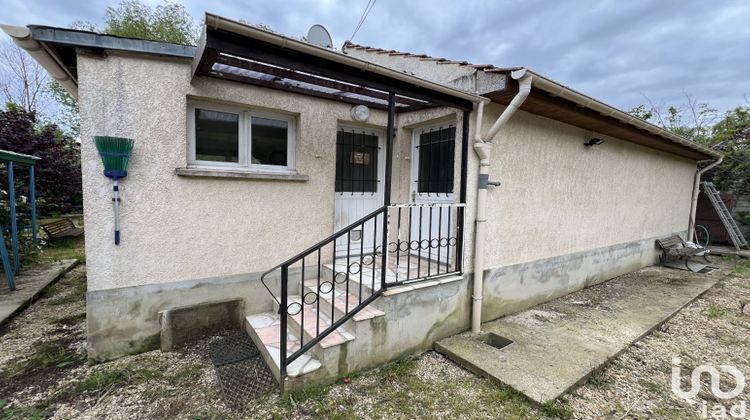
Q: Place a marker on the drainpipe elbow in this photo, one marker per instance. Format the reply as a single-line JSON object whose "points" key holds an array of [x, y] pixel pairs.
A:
{"points": [[524, 88], [483, 151]]}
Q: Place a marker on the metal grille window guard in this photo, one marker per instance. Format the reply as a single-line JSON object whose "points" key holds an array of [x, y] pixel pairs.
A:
{"points": [[436, 150], [319, 291], [356, 161]]}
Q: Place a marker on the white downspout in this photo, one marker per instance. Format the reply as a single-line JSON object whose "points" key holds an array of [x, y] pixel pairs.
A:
{"points": [[483, 149], [696, 193]]}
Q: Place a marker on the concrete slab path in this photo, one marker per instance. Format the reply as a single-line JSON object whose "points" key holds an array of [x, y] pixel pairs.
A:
{"points": [[29, 284], [727, 250], [557, 345]]}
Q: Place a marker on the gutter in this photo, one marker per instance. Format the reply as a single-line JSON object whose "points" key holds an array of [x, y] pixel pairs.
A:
{"points": [[483, 149], [217, 22], [696, 193], [21, 36], [556, 89]]}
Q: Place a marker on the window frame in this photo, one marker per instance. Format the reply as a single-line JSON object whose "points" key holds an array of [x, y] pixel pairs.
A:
{"points": [[416, 161], [244, 138]]}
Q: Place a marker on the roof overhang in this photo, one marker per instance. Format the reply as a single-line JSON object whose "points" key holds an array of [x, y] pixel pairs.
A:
{"points": [[55, 49], [235, 51], [556, 101]]}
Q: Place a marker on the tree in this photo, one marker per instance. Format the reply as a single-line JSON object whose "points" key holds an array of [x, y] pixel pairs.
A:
{"points": [[58, 183], [692, 120], [729, 134], [67, 116], [168, 22], [22, 80], [732, 137]]}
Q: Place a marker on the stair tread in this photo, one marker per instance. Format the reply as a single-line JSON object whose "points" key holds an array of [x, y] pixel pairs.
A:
{"points": [[335, 338], [266, 327], [339, 302], [367, 274]]}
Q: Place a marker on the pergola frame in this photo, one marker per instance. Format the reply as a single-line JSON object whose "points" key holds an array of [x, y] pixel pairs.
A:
{"points": [[11, 159], [250, 57]]}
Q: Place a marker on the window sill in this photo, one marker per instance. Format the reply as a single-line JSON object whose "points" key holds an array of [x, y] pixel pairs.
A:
{"points": [[242, 174]]}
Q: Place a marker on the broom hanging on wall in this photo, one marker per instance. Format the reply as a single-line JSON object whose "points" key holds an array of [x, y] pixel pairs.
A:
{"points": [[115, 154]]}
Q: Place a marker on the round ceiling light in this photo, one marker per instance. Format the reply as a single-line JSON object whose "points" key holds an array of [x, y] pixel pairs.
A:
{"points": [[360, 113]]}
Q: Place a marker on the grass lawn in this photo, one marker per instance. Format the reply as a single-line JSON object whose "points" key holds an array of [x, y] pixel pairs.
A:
{"points": [[57, 249]]}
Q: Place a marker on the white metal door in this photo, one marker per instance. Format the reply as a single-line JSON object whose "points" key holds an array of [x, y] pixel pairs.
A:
{"points": [[432, 174], [360, 174]]}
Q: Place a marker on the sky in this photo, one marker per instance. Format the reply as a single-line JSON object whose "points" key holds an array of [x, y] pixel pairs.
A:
{"points": [[624, 53]]}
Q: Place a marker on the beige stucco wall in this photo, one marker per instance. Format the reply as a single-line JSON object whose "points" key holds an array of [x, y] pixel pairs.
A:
{"points": [[178, 228], [558, 197]]}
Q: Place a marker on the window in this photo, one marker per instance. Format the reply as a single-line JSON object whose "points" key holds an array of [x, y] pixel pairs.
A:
{"points": [[356, 161], [436, 157], [233, 137]]}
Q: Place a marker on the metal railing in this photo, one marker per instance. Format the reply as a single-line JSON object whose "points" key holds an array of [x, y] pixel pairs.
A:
{"points": [[327, 284]]}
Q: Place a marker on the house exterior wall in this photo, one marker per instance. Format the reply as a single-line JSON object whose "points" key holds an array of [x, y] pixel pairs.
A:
{"points": [[568, 217], [178, 228], [559, 197], [565, 217]]}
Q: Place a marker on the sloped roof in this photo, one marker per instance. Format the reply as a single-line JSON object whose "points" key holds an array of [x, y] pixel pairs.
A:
{"points": [[557, 92]]}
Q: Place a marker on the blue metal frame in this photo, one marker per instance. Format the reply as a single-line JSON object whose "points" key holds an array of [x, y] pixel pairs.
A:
{"points": [[11, 159], [32, 197], [13, 222], [6, 263]]}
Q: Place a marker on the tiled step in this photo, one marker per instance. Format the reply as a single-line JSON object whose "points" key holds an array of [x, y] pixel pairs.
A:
{"points": [[335, 338], [354, 279], [339, 303], [264, 330]]}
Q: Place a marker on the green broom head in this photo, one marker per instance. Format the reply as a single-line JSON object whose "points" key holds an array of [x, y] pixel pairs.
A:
{"points": [[115, 154]]}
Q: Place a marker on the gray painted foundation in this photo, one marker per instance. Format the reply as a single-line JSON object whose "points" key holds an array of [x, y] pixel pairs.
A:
{"points": [[516, 287], [127, 320]]}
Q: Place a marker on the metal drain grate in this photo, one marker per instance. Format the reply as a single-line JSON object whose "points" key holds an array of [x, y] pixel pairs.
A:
{"points": [[234, 347], [242, 372]]}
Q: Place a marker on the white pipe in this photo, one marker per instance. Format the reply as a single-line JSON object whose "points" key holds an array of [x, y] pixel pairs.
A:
{"points": [[483, 149], [696, 193]]}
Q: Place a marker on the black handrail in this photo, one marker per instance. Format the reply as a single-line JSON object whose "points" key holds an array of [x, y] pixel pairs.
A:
{"points": [[418, 253], [319, 245]]}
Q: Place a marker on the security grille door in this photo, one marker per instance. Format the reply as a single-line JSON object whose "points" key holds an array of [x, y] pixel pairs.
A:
{"points": [[433, 168], [360, 170]]}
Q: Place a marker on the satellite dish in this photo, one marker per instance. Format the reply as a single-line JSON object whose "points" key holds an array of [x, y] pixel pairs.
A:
{"points": [[318, 35]]}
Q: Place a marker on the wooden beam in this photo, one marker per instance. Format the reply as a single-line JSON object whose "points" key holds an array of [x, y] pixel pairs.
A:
{"points": [[283, 57], [296, 89], [293, 75], [560, 109]]}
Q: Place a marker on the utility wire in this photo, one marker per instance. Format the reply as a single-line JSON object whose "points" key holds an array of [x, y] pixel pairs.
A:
{"points": [[365, 13]]}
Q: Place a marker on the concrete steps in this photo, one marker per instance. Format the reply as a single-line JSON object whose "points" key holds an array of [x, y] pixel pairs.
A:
{"points": [[264, 330], [313, 318], [402, 320]]}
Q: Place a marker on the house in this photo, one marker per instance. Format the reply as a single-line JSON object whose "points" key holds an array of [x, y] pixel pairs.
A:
{"points": [[347, 207]]}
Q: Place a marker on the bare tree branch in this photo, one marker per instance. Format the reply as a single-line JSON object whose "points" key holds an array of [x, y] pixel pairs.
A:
{"points": [[23, 81]]}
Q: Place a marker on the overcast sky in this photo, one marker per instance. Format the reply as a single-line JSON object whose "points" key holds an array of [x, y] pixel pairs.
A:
{"points": [[620, 52]]}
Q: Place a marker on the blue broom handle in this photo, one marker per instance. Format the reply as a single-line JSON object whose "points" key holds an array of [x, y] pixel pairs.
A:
{"points": [[116, 201]]}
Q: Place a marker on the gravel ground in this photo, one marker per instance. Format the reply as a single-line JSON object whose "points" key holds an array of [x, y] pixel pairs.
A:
{"points": [[43, 372], [712, 330]]}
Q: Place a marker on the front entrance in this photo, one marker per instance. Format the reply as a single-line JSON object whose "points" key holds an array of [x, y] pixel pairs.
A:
{"points": [[360, 175], [433, 161]]}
